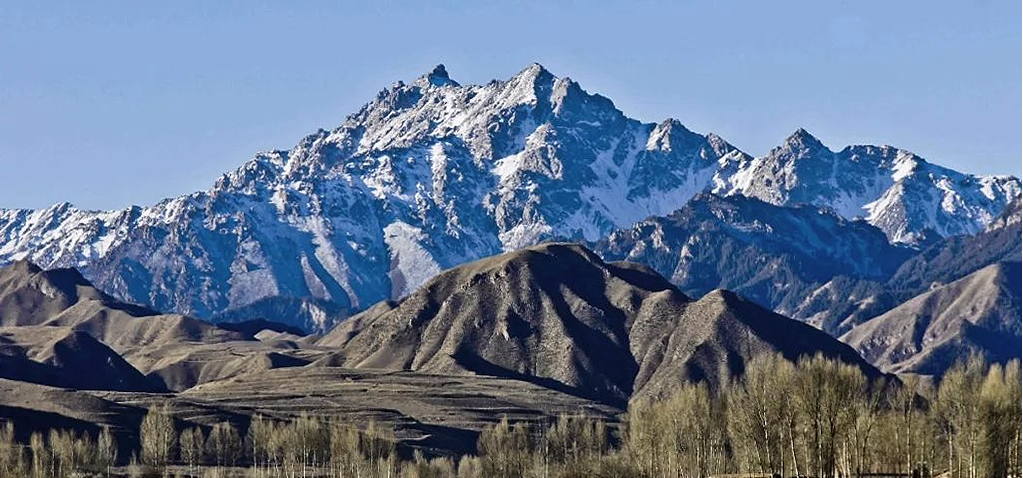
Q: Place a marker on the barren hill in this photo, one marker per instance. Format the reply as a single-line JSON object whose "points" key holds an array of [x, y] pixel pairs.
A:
{"points": [[558, 316], [928, 333], [59, 326]]}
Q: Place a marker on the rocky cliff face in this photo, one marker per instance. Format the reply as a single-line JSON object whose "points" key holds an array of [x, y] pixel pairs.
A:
{"points": [[775, 256], [432, 174]]}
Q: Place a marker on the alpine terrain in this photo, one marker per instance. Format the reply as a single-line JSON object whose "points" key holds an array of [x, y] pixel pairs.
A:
{"points": [[431, 174]]}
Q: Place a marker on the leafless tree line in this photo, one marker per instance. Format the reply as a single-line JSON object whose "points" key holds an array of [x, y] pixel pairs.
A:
{"points": [[816, 417], [823, 418], [61, 453]]}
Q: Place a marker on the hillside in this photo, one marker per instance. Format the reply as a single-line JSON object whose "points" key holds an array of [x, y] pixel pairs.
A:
{"points": [[557, 315], [928, 333], [61, 330]]}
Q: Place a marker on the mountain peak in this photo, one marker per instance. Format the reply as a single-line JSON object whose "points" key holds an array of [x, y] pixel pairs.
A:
{"points": [[668, 132], [534, 68], [534, 73], [425, 177], [438, 76], [799, 144], [802, 137]]}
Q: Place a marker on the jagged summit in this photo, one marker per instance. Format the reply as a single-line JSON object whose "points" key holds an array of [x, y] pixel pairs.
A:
{"points": [[437, 77], [429, 175], [893, 189], [534, 70], [801, 140], [666, 132]]}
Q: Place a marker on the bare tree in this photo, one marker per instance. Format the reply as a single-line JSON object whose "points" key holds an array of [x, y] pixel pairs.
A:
{"points": [[12, 457], [677, 437], [641, 437], [85, 452], [40, 455], [504, 449], [312, 440], [224, 444], [819, 417], [257, 440], [958, 409], [572, 440], [1000, 408], [760, 411], [158, 437], [826, 392], [868, 405], [62, 450], [377, 442], [191, 443], [345, 455], [106, 450]]}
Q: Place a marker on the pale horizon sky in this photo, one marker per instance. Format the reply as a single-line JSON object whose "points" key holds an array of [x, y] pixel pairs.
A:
{"points": [[114, 103]]}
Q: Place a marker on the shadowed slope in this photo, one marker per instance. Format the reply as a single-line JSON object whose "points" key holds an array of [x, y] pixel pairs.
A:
{"points": [[174, 351], [558, 316], [61, 357], [32, 296], [553, 314], [928, 333]]}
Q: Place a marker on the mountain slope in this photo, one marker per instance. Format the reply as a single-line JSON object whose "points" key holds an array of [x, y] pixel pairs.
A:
{"points": [[895, 190], [30, 295], [426, 176], [62, 357], [928, 333], [432, 174], [959, 256], [557, 315], [57, 329], [716, 336], [772, 255], [844, 301]]}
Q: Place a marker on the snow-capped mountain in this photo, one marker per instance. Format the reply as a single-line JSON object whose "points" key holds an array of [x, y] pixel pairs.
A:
{"points": [[432, 174], [426, 176], [893, 189]]}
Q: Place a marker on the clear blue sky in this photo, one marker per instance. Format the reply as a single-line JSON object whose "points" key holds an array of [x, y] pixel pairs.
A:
{"points": [[106, 104]]}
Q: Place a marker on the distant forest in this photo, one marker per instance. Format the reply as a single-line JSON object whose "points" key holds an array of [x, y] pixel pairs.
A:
{"points": [[816, 417]]}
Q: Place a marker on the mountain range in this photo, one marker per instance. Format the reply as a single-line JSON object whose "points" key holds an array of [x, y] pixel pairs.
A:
{"points": [[433, 174], [532, 333]]}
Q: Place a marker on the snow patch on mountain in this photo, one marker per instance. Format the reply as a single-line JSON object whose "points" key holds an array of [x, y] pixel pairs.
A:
{"points": [[433, 173], [893, 189], [412, 264]]}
